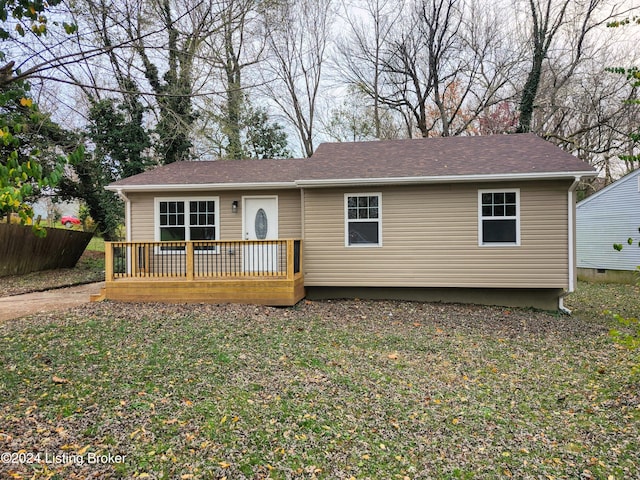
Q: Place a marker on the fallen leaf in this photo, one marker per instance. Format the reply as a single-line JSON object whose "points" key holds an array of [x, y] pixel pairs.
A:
{"points": [[83, 450], [57, 379]]}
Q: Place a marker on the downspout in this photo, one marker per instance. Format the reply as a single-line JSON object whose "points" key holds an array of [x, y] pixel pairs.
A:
{"points": [[127, 214], [571, 228]]}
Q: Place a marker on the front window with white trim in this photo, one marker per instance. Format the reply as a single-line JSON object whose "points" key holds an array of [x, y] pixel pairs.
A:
{"points": [[191, 219], [499, 217], [363, 220]]}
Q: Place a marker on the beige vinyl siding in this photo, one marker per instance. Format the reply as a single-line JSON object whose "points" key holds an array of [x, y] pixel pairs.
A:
{"points": [[289, 208], [430, 239]]}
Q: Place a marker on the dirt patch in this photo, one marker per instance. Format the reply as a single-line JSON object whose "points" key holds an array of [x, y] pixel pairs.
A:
{"points": [[51, 300], [89, 269]]}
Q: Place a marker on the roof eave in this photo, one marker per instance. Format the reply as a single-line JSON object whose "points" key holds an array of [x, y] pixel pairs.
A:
{"points": [[502, 177], [337, 182], [200, 187]]}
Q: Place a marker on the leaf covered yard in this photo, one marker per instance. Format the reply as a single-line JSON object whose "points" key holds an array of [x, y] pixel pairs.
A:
{"points": [[348, 389]]}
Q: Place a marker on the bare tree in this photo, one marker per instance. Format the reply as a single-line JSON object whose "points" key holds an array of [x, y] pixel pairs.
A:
{"points": [[567, 26], [184, 36], [593, 114], [446, 66], [297, 33], [361, 50], [238, 46], [154, 51]]}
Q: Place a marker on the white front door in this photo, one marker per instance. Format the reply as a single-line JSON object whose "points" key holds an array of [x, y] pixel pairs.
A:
{"points": [[260, 222]]}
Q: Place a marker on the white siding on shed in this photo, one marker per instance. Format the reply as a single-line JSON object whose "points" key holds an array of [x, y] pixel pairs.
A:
{"points": [[610, 216]]}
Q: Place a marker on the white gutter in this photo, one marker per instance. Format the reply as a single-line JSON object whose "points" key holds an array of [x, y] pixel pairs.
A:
{"points": [[127, 213], [571, 229], [442, 179], [337, 182], [193, 187], [572, 232], [562, 308]]}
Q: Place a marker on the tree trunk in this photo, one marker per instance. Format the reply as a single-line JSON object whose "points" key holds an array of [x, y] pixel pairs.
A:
{"points": [[529, 93]]}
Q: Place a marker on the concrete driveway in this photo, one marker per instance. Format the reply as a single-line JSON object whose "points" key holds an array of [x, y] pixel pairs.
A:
{"points": [[51, 300]]}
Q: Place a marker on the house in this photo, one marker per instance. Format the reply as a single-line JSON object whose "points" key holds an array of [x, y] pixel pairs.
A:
{"points": [[608, 217], [465, 219]]}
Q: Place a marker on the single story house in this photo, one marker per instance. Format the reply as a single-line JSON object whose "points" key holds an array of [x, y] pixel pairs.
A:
{"points": [[609, 216], [487, 219]]}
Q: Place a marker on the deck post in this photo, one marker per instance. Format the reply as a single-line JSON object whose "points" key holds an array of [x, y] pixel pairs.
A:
{"points": [[189, 262], [134, 260], [290, 258], [108, 261]]}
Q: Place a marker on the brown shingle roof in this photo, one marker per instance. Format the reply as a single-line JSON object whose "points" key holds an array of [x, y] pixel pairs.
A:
{"points": [[443, 156], [218, 172], [496, 155]]}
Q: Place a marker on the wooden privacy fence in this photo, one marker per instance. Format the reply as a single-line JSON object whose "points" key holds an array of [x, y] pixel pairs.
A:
{"points": [[22, 252]]}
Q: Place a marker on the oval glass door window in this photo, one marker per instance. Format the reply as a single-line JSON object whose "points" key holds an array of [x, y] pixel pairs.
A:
{"points": [[261, 224]]}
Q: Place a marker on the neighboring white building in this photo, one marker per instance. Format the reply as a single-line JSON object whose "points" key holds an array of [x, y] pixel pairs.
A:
{"points": [[607, 217]]}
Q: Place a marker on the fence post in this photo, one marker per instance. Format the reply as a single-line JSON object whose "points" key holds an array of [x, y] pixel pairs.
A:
{"points": [[189, 262], [108, 261]]}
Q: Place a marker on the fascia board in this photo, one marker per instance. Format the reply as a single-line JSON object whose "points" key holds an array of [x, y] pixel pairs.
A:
{"points": [[199, 187], [336, 182], [445, 179]]}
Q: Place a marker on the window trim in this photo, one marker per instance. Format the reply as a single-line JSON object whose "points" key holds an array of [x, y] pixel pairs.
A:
{"points": [[187, 233], [347, 220], [516, 217]]}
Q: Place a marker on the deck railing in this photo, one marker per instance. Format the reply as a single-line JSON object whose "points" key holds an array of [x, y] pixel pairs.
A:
{"points": [[203, 259]]}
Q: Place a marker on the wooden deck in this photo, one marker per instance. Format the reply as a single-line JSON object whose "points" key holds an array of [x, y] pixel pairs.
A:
{"points": [[266, 272]]}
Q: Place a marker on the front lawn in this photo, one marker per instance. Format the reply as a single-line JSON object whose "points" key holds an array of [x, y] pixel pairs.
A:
{"points": [[349, 389]]}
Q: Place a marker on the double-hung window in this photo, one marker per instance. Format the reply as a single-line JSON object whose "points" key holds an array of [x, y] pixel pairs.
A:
{"points": [[499, 217], [184, 220], [172, 221], [363, 219]]}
